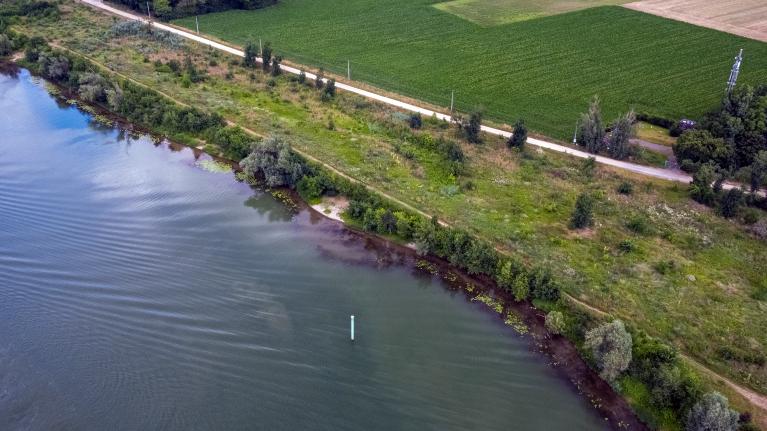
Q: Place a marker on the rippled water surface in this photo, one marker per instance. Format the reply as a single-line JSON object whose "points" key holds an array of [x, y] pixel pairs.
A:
{"points": [[139, 291]]}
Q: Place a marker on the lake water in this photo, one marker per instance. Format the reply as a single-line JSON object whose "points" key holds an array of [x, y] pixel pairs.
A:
{"points": [[139, 291]]}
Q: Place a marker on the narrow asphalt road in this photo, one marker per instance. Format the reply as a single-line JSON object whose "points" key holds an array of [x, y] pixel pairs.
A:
{"points": [[665, 174]]}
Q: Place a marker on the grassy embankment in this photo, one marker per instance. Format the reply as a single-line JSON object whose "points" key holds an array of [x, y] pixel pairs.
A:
{"points": [[521, 202], [544, 70]]}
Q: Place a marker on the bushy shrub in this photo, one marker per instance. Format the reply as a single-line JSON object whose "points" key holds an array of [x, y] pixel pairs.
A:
{"points": [[625, 188], [233, 141], [130, 28], [415, 121], [555, 322], [273, 158], [610, 345], [583, 216], [519, 137], [712, 413]]}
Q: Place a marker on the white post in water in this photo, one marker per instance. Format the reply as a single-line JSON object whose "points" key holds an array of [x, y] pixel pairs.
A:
{"points": [[197, 23], [352, 328]]}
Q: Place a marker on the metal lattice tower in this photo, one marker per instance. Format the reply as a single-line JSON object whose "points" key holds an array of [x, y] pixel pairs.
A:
{"points": [[735, 72]]}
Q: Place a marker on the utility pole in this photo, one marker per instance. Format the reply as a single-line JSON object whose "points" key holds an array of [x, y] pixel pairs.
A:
{"points": [[735, 72], [197, 23], [575, 134], [452, 99], [260, 49], [148, 13], [348, 70]]}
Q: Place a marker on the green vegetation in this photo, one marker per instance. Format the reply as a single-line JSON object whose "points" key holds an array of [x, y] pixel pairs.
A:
{"points": [[497, 12], [168, 9], [703, 286], [544, 70]]}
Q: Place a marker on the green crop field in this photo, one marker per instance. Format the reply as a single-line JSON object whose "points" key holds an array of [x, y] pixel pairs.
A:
{"points": [[497, 12], [544, 70]]}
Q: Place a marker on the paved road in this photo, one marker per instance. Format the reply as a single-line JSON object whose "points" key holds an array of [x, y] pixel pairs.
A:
{"points": [[665, 174]]}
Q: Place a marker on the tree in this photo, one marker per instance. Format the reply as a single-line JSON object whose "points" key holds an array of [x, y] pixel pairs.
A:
{"points": [[505, 275], [520, 288], [730, 203], [697, 147], [6, 47], [591, 131], [274, 158], [701, 186], [758, 172], [330, 90], [54, 67], [473, 127], [623, 130], [319, 81], [162, 8], [266, 56], [555, 322], [712, 413], [519, 137], [610, 345], [251, 54], [415, 120], [582, 216], [93, 87], [276, 71]]}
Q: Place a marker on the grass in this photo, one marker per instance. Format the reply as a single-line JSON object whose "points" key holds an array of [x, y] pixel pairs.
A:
{"points": [[489, 13], [521, 201], [655, 134], [544, 70]]}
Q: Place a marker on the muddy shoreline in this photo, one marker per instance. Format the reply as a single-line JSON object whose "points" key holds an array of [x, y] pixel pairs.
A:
{"points": [[562, 354]]}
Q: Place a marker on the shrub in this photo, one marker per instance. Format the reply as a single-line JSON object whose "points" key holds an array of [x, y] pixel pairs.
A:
{"points": [[730, 202], [555, 322], [582, 216], [639, 224], [542, 284], [415, 121], [625, 188], [712, 413], [6, 47], [233, 141], [627, 246], [274, 159], [521, 287], [701, 186], [471, 129], [519, 137], [610, 345]]}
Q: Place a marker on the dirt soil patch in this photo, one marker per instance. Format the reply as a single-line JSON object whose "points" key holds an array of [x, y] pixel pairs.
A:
{"points": [[747, 18]]}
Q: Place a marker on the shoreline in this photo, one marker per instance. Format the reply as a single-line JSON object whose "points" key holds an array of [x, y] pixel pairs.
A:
{"points": [[563, 355]]}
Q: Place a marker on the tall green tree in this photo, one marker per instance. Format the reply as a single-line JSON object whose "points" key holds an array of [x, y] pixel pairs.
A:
{"points": [[473, 127], [623, 131], [610, 345], [583, 214], [266, 56], [591, 129], [251, 54], [519, 137]]}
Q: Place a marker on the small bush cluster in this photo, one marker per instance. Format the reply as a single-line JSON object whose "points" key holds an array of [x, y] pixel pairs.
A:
{"points": [[141, 30]]}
